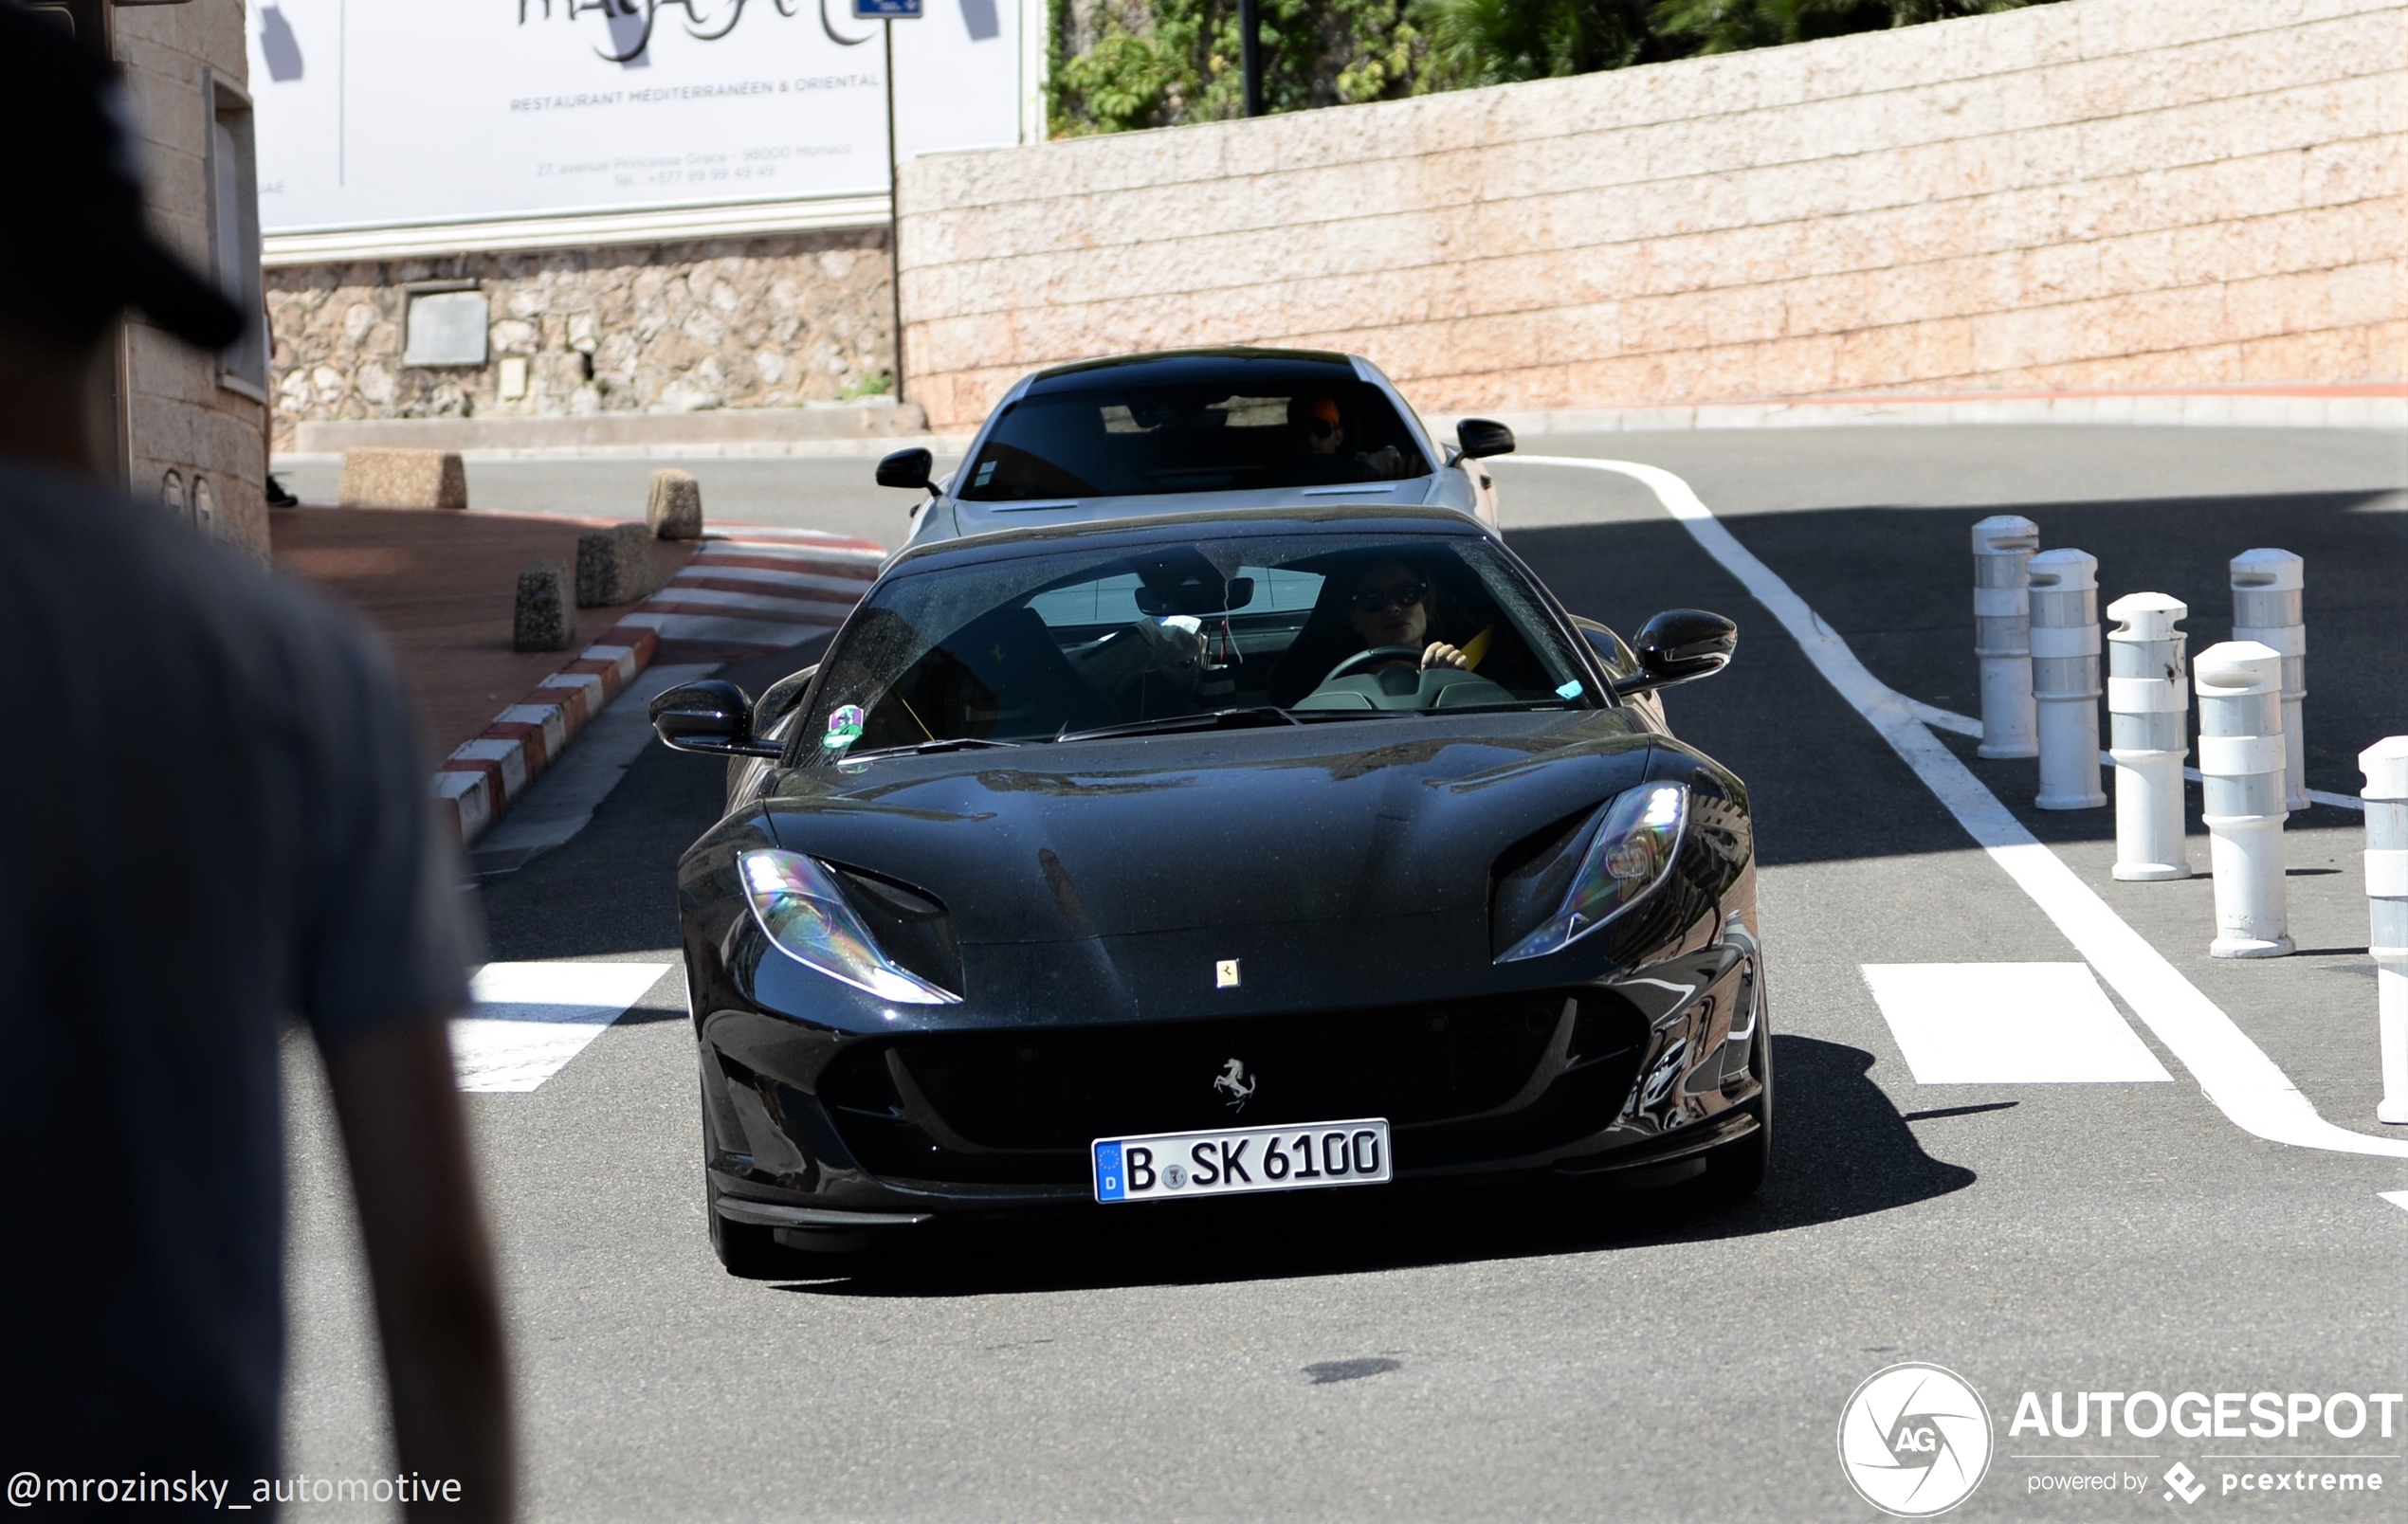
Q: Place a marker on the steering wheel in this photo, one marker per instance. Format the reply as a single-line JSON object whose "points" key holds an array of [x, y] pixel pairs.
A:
{"points": [[1376, 655]]}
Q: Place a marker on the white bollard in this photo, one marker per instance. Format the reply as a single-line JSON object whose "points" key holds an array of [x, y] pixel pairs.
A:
{"points": [[2386, 764], [2148, 700], [2240, 686], [2064, 677], [2267, 593], [2001, 619]]}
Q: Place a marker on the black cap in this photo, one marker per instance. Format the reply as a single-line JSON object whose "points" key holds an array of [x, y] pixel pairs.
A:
{"points": [[78, 247]]}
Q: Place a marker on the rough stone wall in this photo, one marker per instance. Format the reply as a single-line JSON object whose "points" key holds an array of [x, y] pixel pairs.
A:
{"points": [[1079, 23], [177, 416], [2119, 193], [758, 322]]}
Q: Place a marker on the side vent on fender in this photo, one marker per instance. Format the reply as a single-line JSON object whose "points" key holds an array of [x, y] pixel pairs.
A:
{"points": [[913, 927]]}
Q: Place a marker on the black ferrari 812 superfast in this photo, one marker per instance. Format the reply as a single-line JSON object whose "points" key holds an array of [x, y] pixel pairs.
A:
{"points": [[1111, 867]]}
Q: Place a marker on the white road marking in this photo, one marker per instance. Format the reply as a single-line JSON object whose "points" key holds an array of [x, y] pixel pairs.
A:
{"points": [[2008, 1023], [2233, 1072], [2398, 1198], [800, 544], [530, 1019]]}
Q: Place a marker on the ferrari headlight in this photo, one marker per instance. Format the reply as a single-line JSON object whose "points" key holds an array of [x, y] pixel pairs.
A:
{"points": [[805, 915], [1630, 855]]}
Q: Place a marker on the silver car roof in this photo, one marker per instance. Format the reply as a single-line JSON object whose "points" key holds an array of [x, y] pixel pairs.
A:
{"points": [[988, 516]]}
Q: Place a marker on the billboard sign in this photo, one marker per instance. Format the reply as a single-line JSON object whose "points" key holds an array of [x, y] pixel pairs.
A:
{"points": [[393, 113]]}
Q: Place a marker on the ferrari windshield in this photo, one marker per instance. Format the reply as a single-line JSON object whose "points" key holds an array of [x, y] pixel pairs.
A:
{"points": [[1203, 632], [1144, 430]]}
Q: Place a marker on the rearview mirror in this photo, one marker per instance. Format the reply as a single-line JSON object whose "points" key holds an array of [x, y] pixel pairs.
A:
{"points": [[1477, 437], [906, 469], [1196, 598], [1680, 645], [710, 717]]}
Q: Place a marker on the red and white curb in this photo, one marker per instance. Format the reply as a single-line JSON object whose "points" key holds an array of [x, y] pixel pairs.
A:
{"points": [[751, 591], [481, 776]]}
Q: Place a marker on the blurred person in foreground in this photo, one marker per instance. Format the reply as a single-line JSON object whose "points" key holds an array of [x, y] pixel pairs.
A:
{"points": [[211, 820]]}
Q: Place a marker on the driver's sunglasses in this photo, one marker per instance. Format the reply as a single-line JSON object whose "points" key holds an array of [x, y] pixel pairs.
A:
{"points": [[1402, 595], [1322, 427]]}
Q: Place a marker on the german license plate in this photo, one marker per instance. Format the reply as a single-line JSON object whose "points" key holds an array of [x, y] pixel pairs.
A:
{"points": [[1234, 1161]]}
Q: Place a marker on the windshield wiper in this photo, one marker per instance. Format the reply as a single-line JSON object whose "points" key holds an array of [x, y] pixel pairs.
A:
{"points": [[1168, 724], [948, 743]]}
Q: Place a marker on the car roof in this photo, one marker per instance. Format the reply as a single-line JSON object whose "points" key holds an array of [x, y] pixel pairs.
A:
{"points": [[1217, 523], [1176, 367]]}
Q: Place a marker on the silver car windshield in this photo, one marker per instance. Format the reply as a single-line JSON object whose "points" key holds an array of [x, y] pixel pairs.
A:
{"points": [[1133, 442], [1273, 628]]}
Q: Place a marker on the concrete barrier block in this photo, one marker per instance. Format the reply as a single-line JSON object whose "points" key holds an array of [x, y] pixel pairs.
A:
{"points": [[544, 621], [615, 566], [403, 479], [675, 509]]}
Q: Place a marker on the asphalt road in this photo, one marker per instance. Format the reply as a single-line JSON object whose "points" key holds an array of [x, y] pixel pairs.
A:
{"points": [[1514, 1355]]}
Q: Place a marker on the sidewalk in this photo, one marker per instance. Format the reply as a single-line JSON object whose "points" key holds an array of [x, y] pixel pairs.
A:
{"points": [[442, 587]]}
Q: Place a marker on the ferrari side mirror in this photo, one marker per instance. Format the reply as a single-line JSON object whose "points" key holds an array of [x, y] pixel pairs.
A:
{"points": [[1680, 645], [1477, 437], [711, 716], [1618, 659], [906, 469]]}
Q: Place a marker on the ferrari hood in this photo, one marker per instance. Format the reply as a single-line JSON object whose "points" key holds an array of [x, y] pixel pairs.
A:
{"points": [[1357, 820]]}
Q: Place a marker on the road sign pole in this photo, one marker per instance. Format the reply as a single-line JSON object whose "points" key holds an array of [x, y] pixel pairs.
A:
{"points": [[894, 213], [1249, 54]]}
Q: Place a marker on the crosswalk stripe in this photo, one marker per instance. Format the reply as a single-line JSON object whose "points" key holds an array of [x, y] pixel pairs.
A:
{"points": [[2008, 1023], [717, 568], [528, 1020]]}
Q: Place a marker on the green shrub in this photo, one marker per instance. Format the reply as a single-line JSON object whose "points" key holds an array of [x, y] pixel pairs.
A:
{"points": [[1729, 26], [1178, 61], [1162, 62]]}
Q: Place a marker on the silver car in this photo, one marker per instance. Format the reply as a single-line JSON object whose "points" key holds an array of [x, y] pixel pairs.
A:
{"points": [[1184, 431]]}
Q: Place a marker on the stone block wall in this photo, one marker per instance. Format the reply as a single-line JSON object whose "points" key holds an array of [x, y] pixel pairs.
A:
{"points": [[679, 327], [175, 416], [2101, 193]]}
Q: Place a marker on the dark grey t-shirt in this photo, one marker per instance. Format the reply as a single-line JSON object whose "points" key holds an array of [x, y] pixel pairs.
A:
{"points": [[213, 818]]}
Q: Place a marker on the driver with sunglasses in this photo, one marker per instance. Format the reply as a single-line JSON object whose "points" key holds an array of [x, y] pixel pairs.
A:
{"points": [[1391, 605], [1321, 430]]}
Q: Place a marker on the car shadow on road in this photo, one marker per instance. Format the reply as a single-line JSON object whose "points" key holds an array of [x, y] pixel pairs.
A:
{"points": [[1841, 1150]]}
